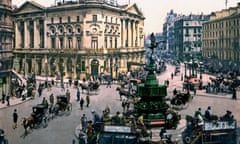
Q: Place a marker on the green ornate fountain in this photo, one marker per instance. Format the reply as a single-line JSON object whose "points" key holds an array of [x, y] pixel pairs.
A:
{"points": [[152, 104]]}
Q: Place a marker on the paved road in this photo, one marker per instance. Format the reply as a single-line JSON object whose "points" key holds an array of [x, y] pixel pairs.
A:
{"points": [[60, 130]]}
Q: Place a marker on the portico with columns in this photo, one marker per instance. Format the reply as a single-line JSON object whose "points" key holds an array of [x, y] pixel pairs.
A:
{"points": [[74, 39]]}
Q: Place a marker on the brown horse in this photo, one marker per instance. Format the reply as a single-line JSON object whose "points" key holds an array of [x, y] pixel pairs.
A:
{"points": [[28, 123]]}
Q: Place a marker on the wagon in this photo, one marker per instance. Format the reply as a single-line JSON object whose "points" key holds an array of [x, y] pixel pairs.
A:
{"points": [[63, 104]]}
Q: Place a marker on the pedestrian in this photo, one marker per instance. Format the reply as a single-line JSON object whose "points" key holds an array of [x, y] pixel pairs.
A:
{"points": [[40, 90], [194, 91], [8, 100], [51, 99], [81, 103], [3, 98], [70, 82], [96, 120], [45, 102], [88, 100], [52, 82], [68, 94], [207, 114], [234, 94], [78, 94], [127, 105], [108, 83], [84, 122], [15, 119], [116, 120], [89, 131], [123, 105]]}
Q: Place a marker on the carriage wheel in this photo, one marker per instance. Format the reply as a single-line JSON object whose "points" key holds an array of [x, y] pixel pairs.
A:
{"points": [[69, 107], [56, 109], [187, 140], [45, 122], [178, 102]]}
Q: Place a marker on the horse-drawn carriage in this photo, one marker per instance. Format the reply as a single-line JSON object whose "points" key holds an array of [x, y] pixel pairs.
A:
{"points": [[39, 114], [63, 104], [180, 98], [90, 86], [37, 119]]}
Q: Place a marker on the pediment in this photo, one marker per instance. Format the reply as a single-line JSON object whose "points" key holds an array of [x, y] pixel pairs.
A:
{"points": [[29, 7], [133, 9]]}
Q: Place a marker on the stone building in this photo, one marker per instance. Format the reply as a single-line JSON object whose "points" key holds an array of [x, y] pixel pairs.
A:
{"points": [[188, 35], [221, 38], [77, 39], [168, 32], [6, 37]]}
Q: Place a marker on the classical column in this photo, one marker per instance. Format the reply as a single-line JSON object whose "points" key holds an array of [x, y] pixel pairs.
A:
{"points": [[122, 33], [132, 31], [74, 42], [17, 35], [36, 34], [74, 63], [134, 34], [26, 34], [129, 33], [65, 66], [137, 37]]}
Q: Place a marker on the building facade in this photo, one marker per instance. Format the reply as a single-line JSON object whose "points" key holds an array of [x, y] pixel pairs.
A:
{"points": [[6, 38], [188, 35], [168, 32], [221, 38], [78, 39]]}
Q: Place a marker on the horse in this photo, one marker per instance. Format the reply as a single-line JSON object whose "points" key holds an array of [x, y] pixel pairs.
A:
{"points": [[92, 85], [85, 86], [28, 123]]}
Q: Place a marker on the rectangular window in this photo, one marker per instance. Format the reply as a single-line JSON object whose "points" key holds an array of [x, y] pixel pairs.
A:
{"points": [[78, 19], [94, 18], [53, 42], [105, 42], [78, 42], [69, 42], [52, 20], [115, 42], [60, 19], [111, 43], [61, 42], [69, 19], [106, 19], [31, 33], [83, 67], [94, 43]]}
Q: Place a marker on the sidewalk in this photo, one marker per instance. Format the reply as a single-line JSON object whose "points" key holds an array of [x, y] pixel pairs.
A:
{"points": [[13, 101]]}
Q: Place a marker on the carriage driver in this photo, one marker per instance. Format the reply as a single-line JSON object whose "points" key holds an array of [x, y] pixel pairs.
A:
{"points": [[68, 95], [45, 102]]}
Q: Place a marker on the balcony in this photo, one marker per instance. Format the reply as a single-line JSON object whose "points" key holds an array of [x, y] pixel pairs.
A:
{"points": [[94, 51]]}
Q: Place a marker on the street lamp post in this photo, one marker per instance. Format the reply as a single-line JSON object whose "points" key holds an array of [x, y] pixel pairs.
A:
{"points": [[200, 63], [185, 68]]}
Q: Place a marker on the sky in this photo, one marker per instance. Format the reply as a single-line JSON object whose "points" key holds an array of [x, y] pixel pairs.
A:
{"points": [[155, 11]]}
